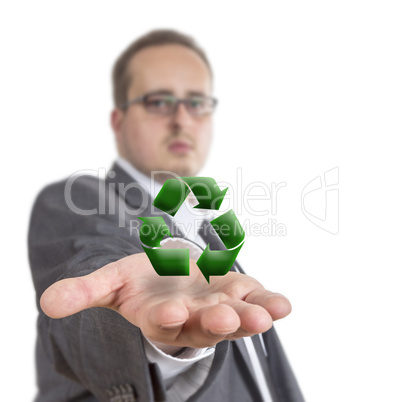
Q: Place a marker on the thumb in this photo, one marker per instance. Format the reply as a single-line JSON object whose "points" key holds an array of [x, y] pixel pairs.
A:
{"points": [[69, 296]]}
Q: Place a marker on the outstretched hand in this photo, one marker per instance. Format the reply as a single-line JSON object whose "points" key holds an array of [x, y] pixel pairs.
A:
{"points": [[174, 310]]}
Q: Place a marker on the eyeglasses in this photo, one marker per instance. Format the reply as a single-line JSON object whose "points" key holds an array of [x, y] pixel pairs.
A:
{"points": [[166, 104]]}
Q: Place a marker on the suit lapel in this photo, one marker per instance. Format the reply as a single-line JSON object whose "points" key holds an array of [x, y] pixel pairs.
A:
{"points": [[283, 379], [210, 237]]}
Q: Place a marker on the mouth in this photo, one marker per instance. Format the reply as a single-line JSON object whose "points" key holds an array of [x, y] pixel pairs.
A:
{"points": [[180, 147]]}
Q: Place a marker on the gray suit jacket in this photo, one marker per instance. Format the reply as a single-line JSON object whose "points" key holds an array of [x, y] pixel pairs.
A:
{"points": [[97, 355]]}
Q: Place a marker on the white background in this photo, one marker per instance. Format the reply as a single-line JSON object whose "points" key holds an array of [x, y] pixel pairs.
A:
{"points": [[303, 87]]}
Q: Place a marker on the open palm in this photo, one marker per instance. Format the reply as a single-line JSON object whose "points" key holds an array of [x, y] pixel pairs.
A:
{"points": [[174, 310]]}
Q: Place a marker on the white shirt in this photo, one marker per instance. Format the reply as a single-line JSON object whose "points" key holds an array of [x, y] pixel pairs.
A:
{"points": [[195, 363]]}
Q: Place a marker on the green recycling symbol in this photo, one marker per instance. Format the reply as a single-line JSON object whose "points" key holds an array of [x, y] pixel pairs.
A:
{"points": [[169, 262]]}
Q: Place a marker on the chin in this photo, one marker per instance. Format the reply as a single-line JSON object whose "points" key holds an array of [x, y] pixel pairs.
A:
{"points": [[173, 170], [183, 172], [187, 171], [184, 168]]}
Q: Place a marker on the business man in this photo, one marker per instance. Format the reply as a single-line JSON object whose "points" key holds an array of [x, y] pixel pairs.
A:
{"points": [[109, 327]]}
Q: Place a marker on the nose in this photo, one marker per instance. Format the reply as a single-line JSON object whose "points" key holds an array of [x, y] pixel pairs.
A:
{"points": [[182, 117]]}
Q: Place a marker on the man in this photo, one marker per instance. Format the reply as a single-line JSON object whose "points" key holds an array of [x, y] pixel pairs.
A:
{"points": [[109, 327]]}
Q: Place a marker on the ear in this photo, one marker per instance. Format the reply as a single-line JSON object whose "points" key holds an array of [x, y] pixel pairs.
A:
{"points": [[116, 119]]}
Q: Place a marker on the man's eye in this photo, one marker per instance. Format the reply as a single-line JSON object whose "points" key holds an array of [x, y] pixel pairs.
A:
{"points": [[196, 103], [158, 102]]}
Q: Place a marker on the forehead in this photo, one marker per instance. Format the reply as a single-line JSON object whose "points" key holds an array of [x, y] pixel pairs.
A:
{"points": [[168, 67]]}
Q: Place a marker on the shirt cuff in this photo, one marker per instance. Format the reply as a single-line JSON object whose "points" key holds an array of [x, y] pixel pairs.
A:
{"points": [[170, 366]]}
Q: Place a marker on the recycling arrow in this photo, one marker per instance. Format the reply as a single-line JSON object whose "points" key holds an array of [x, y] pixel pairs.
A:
{"points": [[168, 262], [219, 262], [174, 192], [153, 231]]}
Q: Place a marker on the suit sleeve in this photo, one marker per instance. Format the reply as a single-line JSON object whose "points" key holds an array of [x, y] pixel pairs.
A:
{"points": [[97, 347]]}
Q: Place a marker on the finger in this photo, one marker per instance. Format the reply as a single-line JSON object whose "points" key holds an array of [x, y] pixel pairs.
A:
{"points": [[69, 296], [254, 319], [164, 321], [277, 305], [209, 325]]}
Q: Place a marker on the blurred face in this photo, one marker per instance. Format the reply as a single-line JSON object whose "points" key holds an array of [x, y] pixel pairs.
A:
{"points": [[179, 142]]}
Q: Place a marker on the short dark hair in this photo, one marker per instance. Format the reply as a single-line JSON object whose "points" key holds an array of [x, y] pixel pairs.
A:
{"points": [[120, 76]]}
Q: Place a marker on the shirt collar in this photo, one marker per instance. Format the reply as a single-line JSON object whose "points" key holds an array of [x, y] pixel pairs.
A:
{"points": [[152, 186]]}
